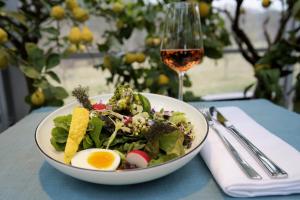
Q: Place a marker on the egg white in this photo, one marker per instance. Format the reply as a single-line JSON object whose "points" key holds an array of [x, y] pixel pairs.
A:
{"points": [[81, 159]]}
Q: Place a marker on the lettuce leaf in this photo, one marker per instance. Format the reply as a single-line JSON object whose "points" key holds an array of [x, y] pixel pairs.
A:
{"points": [[172, 143], [60, 135], [87, 142], [96, 125], [127, 147], [165, 137], [63, 122], [56, 145], [162, 158], [178, 117], [145, 103]]}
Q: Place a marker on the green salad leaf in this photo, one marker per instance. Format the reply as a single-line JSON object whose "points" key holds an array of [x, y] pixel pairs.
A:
{"points": [[56, 145], [127, 147], [165, 137], [172, 143], [87, 142], [145, 103], [96, 125], [63, 122], [162, 158], [177, 117], [59, 134]]}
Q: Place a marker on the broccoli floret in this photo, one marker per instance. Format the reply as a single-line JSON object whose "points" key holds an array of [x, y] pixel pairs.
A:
{"points": [[122, 98], [125, 100]]}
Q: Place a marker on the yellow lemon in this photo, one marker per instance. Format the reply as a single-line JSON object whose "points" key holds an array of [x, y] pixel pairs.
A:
{"points": [[149, 41], [204, 9], [266, 3], [71, 49], [82, 48], [118, 7], [57, 12], [38, 98], [119, 24], [156, 41], [129, 58], [75, 35], [86, 35], [163, 79], [3, 60], [140, 57], [3, 36], [107, 62], [71, 4], [80, 14]]}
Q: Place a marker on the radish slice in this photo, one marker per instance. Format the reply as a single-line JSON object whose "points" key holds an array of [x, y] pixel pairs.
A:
{"points": [[138, 158], [99, 106]]}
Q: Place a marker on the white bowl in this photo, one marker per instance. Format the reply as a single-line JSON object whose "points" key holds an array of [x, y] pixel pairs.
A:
{"points": [[54, 158]]}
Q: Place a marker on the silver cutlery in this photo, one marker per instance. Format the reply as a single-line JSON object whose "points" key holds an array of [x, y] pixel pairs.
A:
{"points": [[270, 167], [243, 164]]}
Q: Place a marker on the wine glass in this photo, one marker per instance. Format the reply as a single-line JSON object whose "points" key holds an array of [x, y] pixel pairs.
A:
{"points": [[182, 46]]}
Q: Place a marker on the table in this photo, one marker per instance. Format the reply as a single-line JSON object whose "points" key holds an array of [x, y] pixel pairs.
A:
{"points": [[25, 175]]}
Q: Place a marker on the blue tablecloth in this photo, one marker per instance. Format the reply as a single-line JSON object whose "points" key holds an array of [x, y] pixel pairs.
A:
{"points": [[25, 175]]}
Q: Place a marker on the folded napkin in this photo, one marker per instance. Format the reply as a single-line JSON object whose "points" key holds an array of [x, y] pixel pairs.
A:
{"points": [[226, 171]]}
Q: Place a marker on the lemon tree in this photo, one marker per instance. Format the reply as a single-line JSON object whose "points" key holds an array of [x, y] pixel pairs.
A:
{"points": [[21, 31], [19, 34], [142, 67]]}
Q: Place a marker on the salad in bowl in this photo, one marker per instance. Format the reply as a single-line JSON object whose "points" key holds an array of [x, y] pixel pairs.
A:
{"points": [[121, 138]]}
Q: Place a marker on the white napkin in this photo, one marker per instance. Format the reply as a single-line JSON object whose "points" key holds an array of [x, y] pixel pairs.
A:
{"points": [[231, 178]]}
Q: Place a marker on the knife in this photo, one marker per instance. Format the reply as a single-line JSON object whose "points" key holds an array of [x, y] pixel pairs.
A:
{"points": [[270, 167]]}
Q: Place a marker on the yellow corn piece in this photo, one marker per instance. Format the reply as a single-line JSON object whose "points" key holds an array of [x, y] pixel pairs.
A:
{"points": [[79, 124]]}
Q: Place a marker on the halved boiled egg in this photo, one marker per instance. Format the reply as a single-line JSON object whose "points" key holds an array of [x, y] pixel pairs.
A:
{"points": [[97, 159]]}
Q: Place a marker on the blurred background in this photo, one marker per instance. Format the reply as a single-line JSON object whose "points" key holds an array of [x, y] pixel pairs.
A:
{"points": [[49, 47]]}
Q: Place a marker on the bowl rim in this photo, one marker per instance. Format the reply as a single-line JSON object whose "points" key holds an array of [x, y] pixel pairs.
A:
{"points": [[125, 170]]}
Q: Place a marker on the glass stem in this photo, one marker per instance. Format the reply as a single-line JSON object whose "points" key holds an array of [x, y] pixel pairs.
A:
{"points": [[180, 88]]}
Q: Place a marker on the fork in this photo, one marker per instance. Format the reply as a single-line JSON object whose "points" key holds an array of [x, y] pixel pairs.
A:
{"points": [[242, 163]]}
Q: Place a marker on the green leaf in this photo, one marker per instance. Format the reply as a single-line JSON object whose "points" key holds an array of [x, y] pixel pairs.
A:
{"points": [[153, 135], [172, 143], [41, 83], [53, 75], [59, 92], [52, 60], [18, 16], [55, 102], [162, 158], [63, 122], [213, 48], [97, 125], [103, 47], [56, 145], [59, 134], [127, 147], [213, 52], [177, 117], [87, 142], [30, 72], [51, 30], [35, 56], [145, 103]]}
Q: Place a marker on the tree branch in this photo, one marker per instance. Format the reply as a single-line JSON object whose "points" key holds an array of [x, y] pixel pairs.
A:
{"points": [[227, 13], [267, 36], [249, 52], [283, 22]]}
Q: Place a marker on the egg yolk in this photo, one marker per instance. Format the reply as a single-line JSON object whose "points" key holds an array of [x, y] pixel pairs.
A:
{"points": [[101, 160]]}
